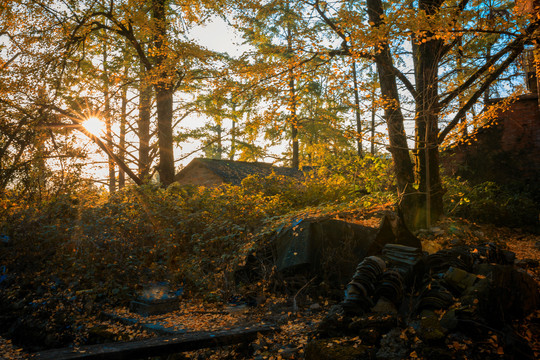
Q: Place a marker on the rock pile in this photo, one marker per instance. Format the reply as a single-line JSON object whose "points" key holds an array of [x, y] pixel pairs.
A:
{"points": [[407, 304]]}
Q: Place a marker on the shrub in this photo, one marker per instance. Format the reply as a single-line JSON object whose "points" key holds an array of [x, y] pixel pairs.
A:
{"points": [[489, 202], [184, 234]]}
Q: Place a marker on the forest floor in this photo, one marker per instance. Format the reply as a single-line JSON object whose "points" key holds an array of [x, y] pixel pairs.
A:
{"points": [[298, 317]]}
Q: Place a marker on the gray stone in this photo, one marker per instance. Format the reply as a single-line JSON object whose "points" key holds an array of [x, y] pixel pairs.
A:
{"points": [[430, 327], [459, 279]]}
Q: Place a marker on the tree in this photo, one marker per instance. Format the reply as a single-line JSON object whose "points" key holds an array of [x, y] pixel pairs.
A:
{"points": [[143, 122], [434, 30], [107, 114], [322, 119], [357, 109], [168, 57], [275, 29], [290, 59], [32, 141]]}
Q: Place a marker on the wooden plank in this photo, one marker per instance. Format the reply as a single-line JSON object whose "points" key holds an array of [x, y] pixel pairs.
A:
{"points": [[157, 346], [153, 327]]}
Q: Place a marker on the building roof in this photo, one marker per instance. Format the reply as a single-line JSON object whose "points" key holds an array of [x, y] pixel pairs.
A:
{"points": [[529, 96], [233, 172]]}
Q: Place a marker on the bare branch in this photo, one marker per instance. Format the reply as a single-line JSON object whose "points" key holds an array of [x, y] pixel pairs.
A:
{"points": [[518, 48], [517, 43]]}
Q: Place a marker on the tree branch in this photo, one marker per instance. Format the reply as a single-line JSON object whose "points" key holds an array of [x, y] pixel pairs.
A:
{"points": [[77, 121], [347, 51], [445, 49], [7, 63], [472, 100], [518, 42]]}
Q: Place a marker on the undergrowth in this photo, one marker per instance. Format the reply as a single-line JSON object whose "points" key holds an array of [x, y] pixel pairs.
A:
{"points": [[489, 202], [192, 237], [195, 237]]}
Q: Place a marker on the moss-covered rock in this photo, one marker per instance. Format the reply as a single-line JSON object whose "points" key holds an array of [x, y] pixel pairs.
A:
{"points": [[430, 327]]}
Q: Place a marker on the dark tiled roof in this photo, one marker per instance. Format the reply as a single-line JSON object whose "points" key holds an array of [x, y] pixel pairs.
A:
{"points": [[233, 172]]}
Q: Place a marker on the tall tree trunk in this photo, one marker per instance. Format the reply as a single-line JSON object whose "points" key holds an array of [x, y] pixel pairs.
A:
{"points": [[411, 202], [164, 100], [373, 124], [357, 111], [426, 125], [123, 124], [164, 94], [145, 102], [292, 94], [373, 111], [108, 120], [233, 133], [399, 149], [461, 97], [537, 61], [219, 142], [487, 94]]}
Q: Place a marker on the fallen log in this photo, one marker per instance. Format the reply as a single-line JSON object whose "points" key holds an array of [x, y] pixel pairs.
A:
{"points": [[157, 346]]}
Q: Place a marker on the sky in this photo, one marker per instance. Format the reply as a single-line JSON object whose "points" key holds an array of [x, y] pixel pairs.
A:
{"points": [[217, 35]]}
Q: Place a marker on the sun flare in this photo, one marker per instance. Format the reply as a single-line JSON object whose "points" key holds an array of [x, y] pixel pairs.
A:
{"points": [[94, 126]]}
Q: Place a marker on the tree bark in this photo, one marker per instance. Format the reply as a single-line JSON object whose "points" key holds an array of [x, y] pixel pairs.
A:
{"points": [[372, 149], [459, 64], [145, 102], [292, 94], [357, 112], [219, 149], [164, 94], [233, 132], [392, 108], [123, 124], [164, 99], [373, 113], [108, 120], [426, 121]]}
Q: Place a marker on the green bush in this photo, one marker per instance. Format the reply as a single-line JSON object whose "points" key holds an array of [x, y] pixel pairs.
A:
{"points": [[489, 202]]}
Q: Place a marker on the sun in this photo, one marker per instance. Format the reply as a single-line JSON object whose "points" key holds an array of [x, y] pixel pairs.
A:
{"points": [[94, 126]]}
